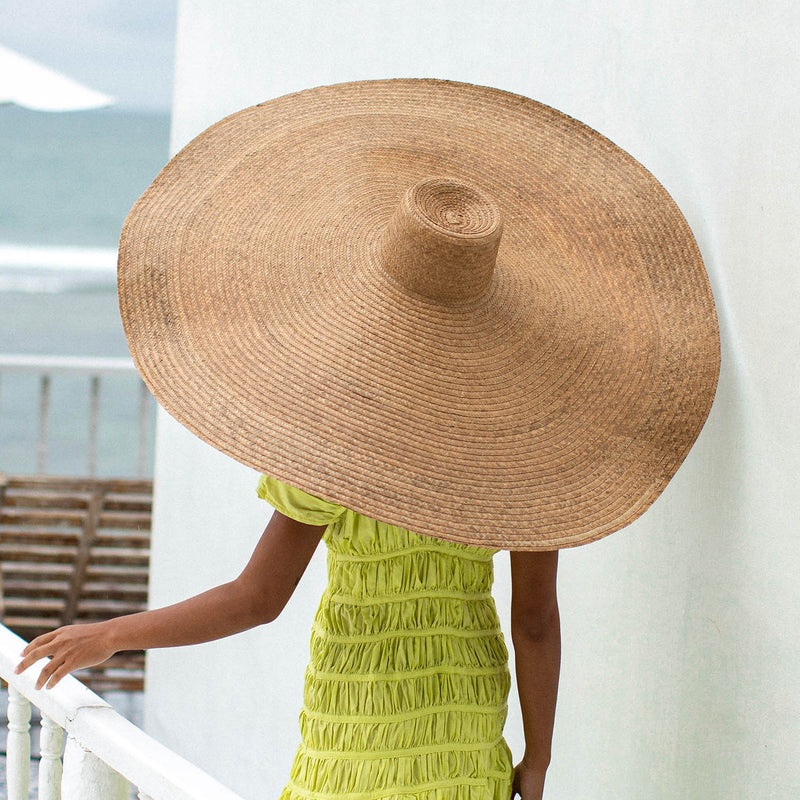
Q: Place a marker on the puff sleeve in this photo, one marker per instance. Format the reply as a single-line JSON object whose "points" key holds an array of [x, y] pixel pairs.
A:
{"points": [[297, 504]]}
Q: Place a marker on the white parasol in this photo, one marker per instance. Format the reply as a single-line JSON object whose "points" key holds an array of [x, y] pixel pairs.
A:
{"points": [[28, 84]]}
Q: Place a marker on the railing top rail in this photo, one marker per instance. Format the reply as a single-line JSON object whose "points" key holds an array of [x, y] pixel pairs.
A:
{"points": [[149, 765], [94, 365]]}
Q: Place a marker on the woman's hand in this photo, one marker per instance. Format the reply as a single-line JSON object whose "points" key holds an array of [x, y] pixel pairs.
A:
{"points": [[528, 782], [255, 597], [69, 648]]}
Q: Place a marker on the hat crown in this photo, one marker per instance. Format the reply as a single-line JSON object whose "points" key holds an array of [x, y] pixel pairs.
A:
{"points": [[442, 241]]}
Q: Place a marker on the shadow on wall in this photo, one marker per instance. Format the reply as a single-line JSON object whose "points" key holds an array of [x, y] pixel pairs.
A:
{"points": [[722, 669]]}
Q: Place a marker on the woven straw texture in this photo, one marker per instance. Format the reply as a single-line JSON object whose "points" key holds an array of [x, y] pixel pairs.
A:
{"points": [[443, 306], [406, 691]]}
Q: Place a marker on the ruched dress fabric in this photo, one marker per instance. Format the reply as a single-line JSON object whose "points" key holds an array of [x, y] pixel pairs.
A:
{"points": [[406, 691]]}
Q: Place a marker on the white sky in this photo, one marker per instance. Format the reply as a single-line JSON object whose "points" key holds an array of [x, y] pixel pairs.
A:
{"points": [[121, 47]]}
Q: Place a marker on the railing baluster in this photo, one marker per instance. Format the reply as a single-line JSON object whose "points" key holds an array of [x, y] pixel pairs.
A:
{"points": [[86, 777], [44, 412], [18, 746], [51, 742], [45, 367], [106, 757], [94, 404], [144, 397]]}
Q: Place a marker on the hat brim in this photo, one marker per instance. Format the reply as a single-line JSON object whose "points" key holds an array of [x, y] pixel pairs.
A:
{"points": [[549, 413]]}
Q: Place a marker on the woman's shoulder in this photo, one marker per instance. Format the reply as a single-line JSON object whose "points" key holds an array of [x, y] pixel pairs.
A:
{"points": [[296, 503], [358, 534]]}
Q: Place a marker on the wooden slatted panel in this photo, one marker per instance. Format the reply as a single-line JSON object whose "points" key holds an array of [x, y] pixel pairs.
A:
{"points": [[76, 549], [64, 484]]}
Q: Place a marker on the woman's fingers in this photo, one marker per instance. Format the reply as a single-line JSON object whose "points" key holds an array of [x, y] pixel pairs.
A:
{"points": [[47, 672], [41, 639], [45, 646], [31, 656], [55, 677], [29, 653]]}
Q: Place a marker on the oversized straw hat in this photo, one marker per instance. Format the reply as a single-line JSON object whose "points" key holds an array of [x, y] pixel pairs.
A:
{"points": [[445, 306]]}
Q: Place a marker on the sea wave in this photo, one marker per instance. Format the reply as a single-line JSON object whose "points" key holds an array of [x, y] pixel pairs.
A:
{"points": [[40, 268], [58, 257]]}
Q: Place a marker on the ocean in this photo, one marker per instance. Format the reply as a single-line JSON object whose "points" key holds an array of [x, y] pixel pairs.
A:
{"points": [[67, 182]]}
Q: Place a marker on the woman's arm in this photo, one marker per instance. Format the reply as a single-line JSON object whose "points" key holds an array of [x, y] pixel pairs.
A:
{"points": [[536, 633], [257, 596]]}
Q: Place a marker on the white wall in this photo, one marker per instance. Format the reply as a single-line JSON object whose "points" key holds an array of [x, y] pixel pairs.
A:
{"points": [[680, 664]]}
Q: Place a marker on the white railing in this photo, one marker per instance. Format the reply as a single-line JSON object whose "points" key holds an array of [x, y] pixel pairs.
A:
{"points": [[104, 755], [94, 369]]}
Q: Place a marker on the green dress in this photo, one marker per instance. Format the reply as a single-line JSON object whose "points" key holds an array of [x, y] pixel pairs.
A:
{"points": [[406, 691]]}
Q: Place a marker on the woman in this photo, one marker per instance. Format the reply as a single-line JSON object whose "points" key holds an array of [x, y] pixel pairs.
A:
{"points": [[317, 287]]}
